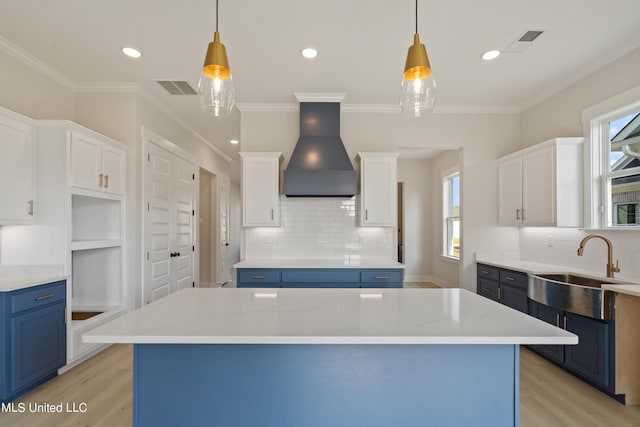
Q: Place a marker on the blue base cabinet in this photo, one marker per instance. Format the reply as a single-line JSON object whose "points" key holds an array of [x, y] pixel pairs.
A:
{"points": [[593, 358], [320, 385], [33, 344], [504, 286], [319, 278]]}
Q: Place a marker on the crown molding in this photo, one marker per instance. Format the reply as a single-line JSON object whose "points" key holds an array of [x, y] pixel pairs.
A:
{"points": [[266, 107], [23, 56], [320, 97], [476, 109], [108, 87]]}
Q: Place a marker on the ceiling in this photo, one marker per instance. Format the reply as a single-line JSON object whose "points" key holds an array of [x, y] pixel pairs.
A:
{"points": [[362, 46]]}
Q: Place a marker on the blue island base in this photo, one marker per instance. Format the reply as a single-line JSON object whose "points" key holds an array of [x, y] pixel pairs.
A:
{"points": [[296, 385]]}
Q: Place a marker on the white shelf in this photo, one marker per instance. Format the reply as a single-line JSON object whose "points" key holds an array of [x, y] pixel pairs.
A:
{"points": [[95, 218], [82, 245], [96, 277]]}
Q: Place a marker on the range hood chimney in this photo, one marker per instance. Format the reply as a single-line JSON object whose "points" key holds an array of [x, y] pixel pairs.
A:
{"points": [[320, 165]]}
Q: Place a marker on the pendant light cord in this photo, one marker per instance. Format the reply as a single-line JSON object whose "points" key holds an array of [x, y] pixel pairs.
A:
{"points": [[217, 15], [416, 16]]}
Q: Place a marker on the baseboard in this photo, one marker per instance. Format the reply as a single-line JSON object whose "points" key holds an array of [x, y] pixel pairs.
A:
{"points": [[417, 279]]}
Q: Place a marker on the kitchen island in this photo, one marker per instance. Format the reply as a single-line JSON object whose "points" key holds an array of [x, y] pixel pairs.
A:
{"points": [[326, 357]]}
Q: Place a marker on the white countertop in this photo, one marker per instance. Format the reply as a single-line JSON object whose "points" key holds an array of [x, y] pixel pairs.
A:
{"points": [[317, 263], [530, 267], [327, 316], [13, 278], [629, 289]]}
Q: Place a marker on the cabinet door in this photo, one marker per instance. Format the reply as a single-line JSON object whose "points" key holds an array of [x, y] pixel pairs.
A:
{"points": [[113, 170], [378, 192], [260, 192], [551, 316], [538, 204], [16, 172], [510, 192], [86, 162], [514, 297], [590, 357], [38, 345]]}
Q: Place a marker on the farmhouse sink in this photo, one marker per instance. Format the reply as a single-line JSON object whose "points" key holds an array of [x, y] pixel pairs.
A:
{"points": [[573, 293]]}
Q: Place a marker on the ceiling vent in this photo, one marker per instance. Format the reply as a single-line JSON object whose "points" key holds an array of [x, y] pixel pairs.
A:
{"points": [[524, 41], [177, 87]]}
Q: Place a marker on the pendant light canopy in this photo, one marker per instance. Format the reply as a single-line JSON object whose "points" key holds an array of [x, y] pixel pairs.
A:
{"points": [[418, 85], [216, 90]]}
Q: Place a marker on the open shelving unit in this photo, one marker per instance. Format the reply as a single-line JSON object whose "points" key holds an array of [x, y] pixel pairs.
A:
{"points": [[97, 256]]}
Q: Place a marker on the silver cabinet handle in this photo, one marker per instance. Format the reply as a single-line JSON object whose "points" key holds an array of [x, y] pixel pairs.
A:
{"points": [[101, 177], [43, 297], [366, 214], [517, 214], [257, 277], [271, 214], [510, 278], [30, 210], [106, 181], [565, 322], [381, 277], [557, 320]]}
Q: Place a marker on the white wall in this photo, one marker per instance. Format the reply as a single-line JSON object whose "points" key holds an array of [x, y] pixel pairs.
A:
{"points": [[444, 270], [29, 92], [561, 115], [484, 138], [418, 213]]}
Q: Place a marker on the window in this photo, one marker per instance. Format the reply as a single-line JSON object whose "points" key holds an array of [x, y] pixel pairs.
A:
{"points": [[451, 215], [620, 148]]}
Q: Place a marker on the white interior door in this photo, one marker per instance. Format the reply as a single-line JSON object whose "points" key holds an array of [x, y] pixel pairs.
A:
{"points": [[158, 224], [169, 232], [224, 273], [184, 188]]}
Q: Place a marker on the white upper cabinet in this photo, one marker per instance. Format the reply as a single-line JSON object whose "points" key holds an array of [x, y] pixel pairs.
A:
{"points": [[96, 164], [16, 170], [378, 189], [261, 189], [542, 185]]}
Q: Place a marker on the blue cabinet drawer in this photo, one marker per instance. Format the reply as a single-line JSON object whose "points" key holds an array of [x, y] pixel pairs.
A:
{"points": [[321, 276], [37, 296], [257, 277], [515, 279], [488, 272], [488, 289], [381, 276]]}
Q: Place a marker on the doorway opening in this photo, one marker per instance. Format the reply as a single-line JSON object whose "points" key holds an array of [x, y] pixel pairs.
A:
{"points": [[207, 229]]}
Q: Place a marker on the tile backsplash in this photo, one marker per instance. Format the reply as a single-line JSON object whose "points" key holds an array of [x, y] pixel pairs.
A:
{"points": [[318, 228]]}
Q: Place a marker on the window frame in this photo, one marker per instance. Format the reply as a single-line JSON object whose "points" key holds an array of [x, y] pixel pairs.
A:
{"points": [[447, 207], [598, 206]]}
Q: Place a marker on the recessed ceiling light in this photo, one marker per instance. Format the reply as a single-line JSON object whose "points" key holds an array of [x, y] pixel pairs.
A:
{"points": [[234, 141], [309, 52], [131, 52], [491, 54]]}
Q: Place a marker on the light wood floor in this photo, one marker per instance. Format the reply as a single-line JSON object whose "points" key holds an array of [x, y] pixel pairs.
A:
{"points": [[549, 397], [419, 285]]}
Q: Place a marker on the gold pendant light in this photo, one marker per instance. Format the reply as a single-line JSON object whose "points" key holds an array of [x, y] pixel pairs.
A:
{"points": [[418, 85], [216, 90]]}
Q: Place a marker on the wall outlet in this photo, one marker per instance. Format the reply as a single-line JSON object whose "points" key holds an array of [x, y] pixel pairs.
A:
{"points": [[550, 241]]}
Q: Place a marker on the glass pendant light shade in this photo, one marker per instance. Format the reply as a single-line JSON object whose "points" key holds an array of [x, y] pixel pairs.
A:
{"points": [[216, 90], [418, 85]]}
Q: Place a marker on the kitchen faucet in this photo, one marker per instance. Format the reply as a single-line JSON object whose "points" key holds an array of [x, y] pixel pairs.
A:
{"points": [[611, 269]]}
